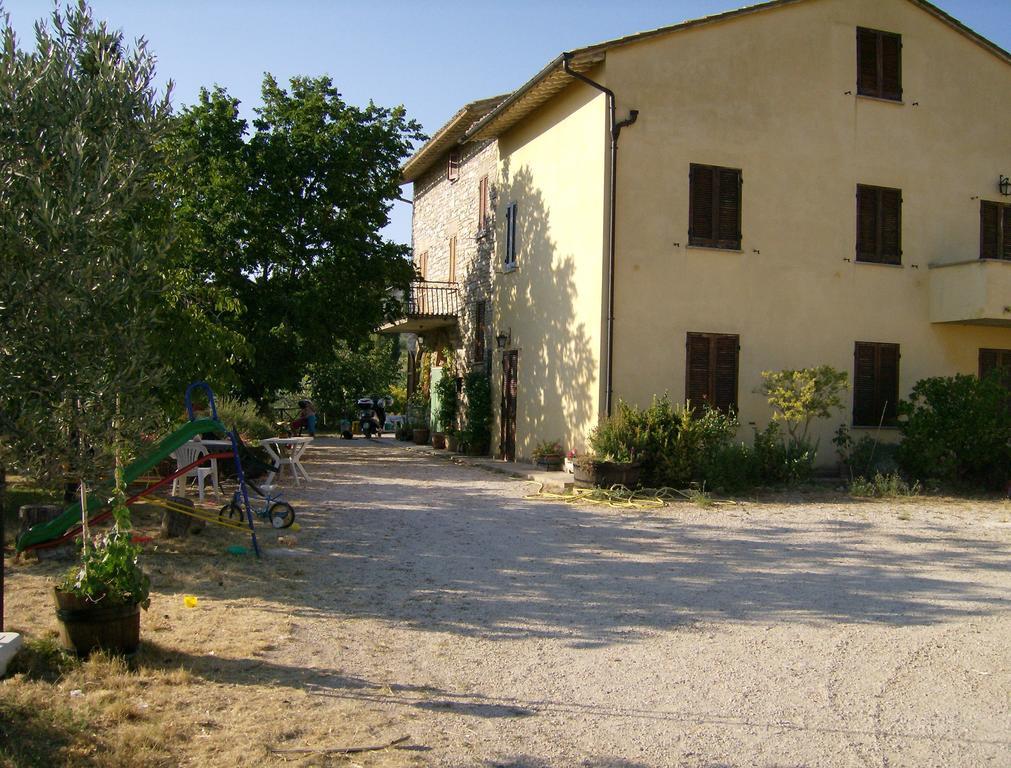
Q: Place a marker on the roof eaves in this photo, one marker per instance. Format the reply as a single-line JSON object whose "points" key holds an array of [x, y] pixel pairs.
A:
{"points": [[447, 136]]}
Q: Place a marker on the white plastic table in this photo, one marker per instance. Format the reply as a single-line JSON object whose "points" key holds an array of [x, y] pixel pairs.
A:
{"points": [[287, 452]]}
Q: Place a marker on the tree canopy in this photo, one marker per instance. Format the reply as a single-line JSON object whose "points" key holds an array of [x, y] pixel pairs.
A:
{"points": [[285, 220]]}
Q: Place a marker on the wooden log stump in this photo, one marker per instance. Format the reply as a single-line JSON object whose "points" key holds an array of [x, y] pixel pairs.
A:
{"points": [[176, 523], [33, 514]]}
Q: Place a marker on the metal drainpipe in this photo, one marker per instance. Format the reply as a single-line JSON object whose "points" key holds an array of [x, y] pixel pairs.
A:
{"points": [[616, 127]]}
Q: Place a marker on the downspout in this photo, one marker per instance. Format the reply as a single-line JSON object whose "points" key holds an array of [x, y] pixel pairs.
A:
{"points": [[615, 129]]}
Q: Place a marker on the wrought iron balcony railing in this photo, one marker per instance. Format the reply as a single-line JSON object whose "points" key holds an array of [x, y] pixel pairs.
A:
{"points": [[428, 298]]}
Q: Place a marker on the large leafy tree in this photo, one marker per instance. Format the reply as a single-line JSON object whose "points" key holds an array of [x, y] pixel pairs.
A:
{"points": [[83, 243], [351, 371], [285, 219]]}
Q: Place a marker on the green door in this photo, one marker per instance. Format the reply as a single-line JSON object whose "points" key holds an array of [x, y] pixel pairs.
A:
{"points": [[436, 377]]}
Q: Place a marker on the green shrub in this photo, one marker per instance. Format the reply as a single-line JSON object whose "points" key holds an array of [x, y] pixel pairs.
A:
{"points": [[243, 416], [864, 457], [476, 434], [957, 431], [446, 390], [673, 442], [730, 469], [798, 397], [776, 461]]}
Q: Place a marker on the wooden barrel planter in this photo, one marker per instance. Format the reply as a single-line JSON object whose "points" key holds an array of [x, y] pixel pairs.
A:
{"points": [[604, 474], [86, 626], [551, 462], [439, 440], [421, 436]]}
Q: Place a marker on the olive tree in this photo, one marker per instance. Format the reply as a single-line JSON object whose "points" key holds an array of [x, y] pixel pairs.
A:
{"points": [[83, 234]]}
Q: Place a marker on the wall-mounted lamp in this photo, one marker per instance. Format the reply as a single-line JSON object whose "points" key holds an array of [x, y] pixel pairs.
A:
{"points": [[503, 339], [1004, 185]]}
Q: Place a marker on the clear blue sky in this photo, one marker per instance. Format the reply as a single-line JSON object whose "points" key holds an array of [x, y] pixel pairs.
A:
{"points": [[432, 57]]}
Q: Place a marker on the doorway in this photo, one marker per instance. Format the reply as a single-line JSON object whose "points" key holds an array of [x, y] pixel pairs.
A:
{"points": [[508, 420]]}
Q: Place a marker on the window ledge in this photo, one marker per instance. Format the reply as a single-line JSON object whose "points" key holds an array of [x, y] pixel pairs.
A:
{"points": [[876, 427], [509, 268], [883, 99], [878, 264], [713, 248]]}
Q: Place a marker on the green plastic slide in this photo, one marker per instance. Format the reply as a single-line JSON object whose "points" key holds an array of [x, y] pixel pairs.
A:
{"points": [[71, 516]]}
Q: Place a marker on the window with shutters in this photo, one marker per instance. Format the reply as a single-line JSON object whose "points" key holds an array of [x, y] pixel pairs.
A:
{"points": [[879, 64], [480, 330], [875, 384], [714, 207], [453, 167], [993, 359], [482, 204], [711, 371], [994, 230], [879, 225], [510, 239], [452, 259]]}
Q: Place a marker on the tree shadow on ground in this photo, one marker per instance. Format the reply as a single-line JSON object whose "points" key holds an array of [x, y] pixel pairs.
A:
{"points": [[419, 541]]}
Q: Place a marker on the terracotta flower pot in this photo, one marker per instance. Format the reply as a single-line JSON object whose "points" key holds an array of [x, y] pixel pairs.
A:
{"points": [[421, 436], [439, 440], [452, 443]]}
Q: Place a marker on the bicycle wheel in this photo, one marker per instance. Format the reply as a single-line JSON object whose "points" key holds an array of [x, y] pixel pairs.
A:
{"points": [[281, 514], [231, 510]]}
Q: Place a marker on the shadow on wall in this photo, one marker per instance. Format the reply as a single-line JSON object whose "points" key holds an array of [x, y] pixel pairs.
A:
{"points": [[540, 302]]}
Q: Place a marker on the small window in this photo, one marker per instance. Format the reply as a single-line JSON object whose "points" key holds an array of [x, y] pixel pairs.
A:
{"points": [[875, 384], [423, 266], [480, 330], [994, 359], [452, 259], [510, 244], [879, 225], [714, 207], [453, 169], [879, 64], [994, 230], [711, 370], [482, 204]]}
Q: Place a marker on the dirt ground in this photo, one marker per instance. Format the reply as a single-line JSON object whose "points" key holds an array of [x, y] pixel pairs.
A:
{"points": [[434, 601]]}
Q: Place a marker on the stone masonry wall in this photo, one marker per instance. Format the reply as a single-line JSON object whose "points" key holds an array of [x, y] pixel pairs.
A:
{"points": [[444, 209]]}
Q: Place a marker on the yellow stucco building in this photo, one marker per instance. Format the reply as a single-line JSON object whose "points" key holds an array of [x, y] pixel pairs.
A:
{"points": [[798, 183]]}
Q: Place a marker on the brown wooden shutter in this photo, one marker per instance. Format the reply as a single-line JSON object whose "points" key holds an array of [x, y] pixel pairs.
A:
{"points": [[729, 212], [702, 223], [888, 383], [867, 62], [891, 66], [482, 203], [867, 223], [864, 359], [697, 390], [988, 360], [725, 378], [1005, 232], [891, 226], [989, 229], [452, 259]]}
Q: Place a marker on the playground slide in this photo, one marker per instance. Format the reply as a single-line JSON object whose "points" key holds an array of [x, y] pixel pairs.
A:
{"points": [[71, 516]]}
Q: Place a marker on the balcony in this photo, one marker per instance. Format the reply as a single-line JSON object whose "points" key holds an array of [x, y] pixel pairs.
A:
{"points": [[976, 292], [430, 305]]}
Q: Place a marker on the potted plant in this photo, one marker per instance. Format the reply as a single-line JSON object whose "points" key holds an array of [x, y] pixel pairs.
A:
{"points": [[445, 389], [475, 437], [616, 445], [452, 439], [98, 602], [418, 410], [548, 455]]}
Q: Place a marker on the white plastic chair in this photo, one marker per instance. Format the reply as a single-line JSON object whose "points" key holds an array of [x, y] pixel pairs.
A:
{"points": [[185, 455]]}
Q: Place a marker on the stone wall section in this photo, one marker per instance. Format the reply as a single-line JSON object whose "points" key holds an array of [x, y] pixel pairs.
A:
{"points": [[444, 209]]}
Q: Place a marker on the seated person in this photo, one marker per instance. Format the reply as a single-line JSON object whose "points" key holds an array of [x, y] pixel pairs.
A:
{"points": [[306, 418]]}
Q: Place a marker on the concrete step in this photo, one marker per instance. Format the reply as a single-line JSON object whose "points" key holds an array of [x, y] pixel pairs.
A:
{"points": [[10, 644]]}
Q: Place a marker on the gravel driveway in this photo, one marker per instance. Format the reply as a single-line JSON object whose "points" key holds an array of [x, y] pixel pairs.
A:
{"points": [[501, 631]]}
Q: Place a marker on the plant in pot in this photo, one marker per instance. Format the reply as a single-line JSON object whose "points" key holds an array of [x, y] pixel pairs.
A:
{"points": [[616, 444], [445, 390], [475, 438], [548, 455], [98, 602], [418, 413]]}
